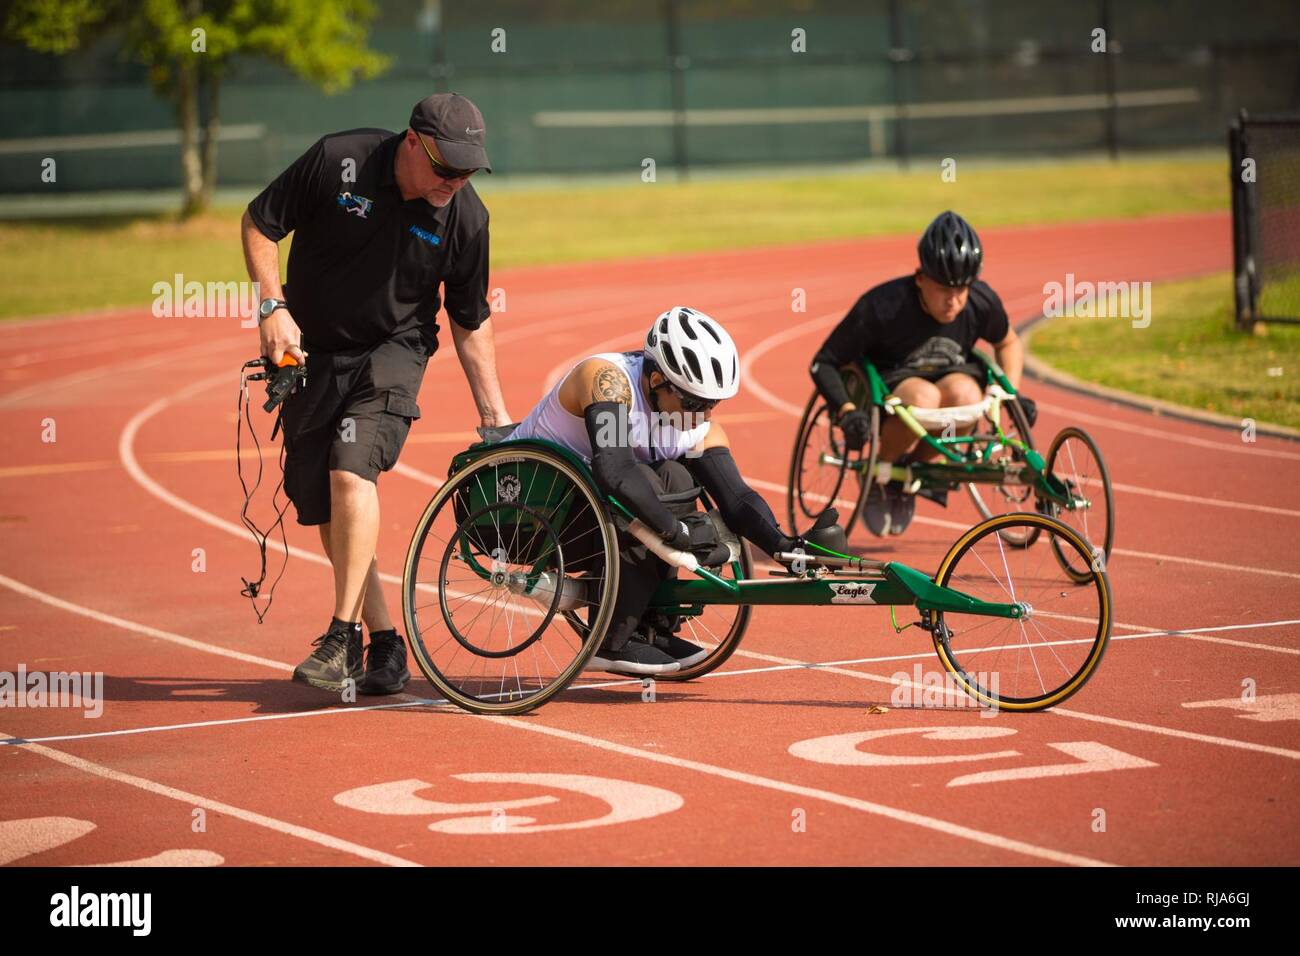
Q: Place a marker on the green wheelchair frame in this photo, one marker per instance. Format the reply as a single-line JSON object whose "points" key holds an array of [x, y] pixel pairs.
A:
{"points": [[513, 507], [966, 459]]}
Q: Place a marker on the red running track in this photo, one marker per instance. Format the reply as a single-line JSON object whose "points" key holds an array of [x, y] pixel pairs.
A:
{"points": [[206, 753]]}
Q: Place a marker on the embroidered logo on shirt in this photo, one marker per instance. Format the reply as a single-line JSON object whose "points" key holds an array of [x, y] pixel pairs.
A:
{"points": [[359, 205], [429, 237]]}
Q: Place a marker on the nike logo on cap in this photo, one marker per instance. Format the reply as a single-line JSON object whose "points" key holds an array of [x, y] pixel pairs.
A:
{"points": [[472, 131]]}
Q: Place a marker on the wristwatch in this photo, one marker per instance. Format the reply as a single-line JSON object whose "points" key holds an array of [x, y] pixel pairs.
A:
{"points": [[267, 307]]}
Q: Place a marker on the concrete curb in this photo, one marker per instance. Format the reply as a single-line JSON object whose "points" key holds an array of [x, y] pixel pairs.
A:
{"points": [[1041, 371]]}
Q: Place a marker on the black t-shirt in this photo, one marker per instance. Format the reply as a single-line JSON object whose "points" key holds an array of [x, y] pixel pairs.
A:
{"points": [[366, 265], [889, 327]]}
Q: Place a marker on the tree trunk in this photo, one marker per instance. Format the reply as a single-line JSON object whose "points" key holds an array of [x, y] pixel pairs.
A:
{"points": [[187, 110], [211, 129]]}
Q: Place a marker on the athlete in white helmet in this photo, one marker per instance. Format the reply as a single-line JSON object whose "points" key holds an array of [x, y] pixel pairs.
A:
{"points": [[642, 420]]}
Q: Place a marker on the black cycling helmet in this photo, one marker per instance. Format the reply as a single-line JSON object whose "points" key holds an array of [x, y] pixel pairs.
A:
{"points": [[950, 251]]}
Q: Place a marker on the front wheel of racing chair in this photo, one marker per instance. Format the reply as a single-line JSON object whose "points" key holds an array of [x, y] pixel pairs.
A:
{"points": [[1010, 497], [822, 469], [510, 577]]}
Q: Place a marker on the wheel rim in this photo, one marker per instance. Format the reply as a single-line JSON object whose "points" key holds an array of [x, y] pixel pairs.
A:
{"points": [[821, 466], [991, 500], [503, 553], [1031, 663], [719, 627], [1076, 462]]}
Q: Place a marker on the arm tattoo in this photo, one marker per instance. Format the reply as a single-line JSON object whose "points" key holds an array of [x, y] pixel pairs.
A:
{"points": [[610, 385]]}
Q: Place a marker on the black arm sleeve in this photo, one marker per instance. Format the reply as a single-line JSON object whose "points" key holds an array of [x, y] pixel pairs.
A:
{"points": [[830, 384], [614, 467], [846, 344], [742, 508]]}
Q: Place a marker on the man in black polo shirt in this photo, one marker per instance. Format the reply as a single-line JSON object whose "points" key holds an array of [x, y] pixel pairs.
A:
{"points": [[918, 330], [380, 221]]}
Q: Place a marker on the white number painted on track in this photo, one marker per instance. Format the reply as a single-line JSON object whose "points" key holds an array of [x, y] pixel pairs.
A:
{"points": [[844, 750], [627, 802], [1268, 708], [32, 835]]}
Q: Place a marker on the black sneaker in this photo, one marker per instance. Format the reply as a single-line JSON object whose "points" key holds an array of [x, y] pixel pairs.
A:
{"points": [[386, 671], [683, 652], [876, 509], [634, 657], [337, 657], [938, 495], [902, 506]]}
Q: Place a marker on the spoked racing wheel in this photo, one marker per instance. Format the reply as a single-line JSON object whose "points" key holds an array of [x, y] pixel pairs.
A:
{"points": [[510, 580]]}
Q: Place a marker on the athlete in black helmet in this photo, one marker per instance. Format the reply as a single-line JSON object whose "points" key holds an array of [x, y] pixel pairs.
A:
{"points": [[918, 331]]}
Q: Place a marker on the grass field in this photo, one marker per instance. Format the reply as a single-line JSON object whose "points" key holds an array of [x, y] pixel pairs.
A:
{"points": [[67, 265], [1190, 354]]}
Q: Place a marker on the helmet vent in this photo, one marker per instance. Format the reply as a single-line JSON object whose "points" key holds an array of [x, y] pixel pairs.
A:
{"points": [[708, 327], [671, 361], [686, 325], [694, 373]]}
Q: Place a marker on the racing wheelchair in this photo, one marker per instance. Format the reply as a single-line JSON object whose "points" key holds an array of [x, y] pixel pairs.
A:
{"points": [[996, 462], [510, 578]]}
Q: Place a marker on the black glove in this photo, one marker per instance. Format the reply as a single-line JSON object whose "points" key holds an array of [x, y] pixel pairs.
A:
{"points": [[696, 533], [856, 426], [1030, 408], [825, 532]]}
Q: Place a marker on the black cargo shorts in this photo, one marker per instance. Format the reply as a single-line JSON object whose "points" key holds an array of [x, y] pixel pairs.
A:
{"points": [[353, 416]]}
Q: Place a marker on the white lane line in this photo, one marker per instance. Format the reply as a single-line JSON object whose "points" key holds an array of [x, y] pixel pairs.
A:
{"points": [[773, 486], [1198, 562], [416, 474], [904, 816], [216, 806], [66, 351], [56, 385], [1115, 721], [410, 700], [1241, 448], [768, 783], [1198, 499], [751, 383], [226, 722], [1180, 734], [726, 773], [144, 629]]}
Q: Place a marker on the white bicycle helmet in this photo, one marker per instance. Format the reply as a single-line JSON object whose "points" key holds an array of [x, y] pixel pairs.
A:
{"points": [[695, 353]]}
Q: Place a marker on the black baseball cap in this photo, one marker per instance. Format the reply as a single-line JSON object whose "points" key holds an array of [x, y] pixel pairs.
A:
{"points": [[456, 125]]}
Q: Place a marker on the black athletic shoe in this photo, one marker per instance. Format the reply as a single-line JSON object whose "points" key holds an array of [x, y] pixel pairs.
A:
{"points": [[386, 670], [661, 629], [634, 657], [876, 509], [902, 506], [337, 657], [938, 495], [683, 652]]}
